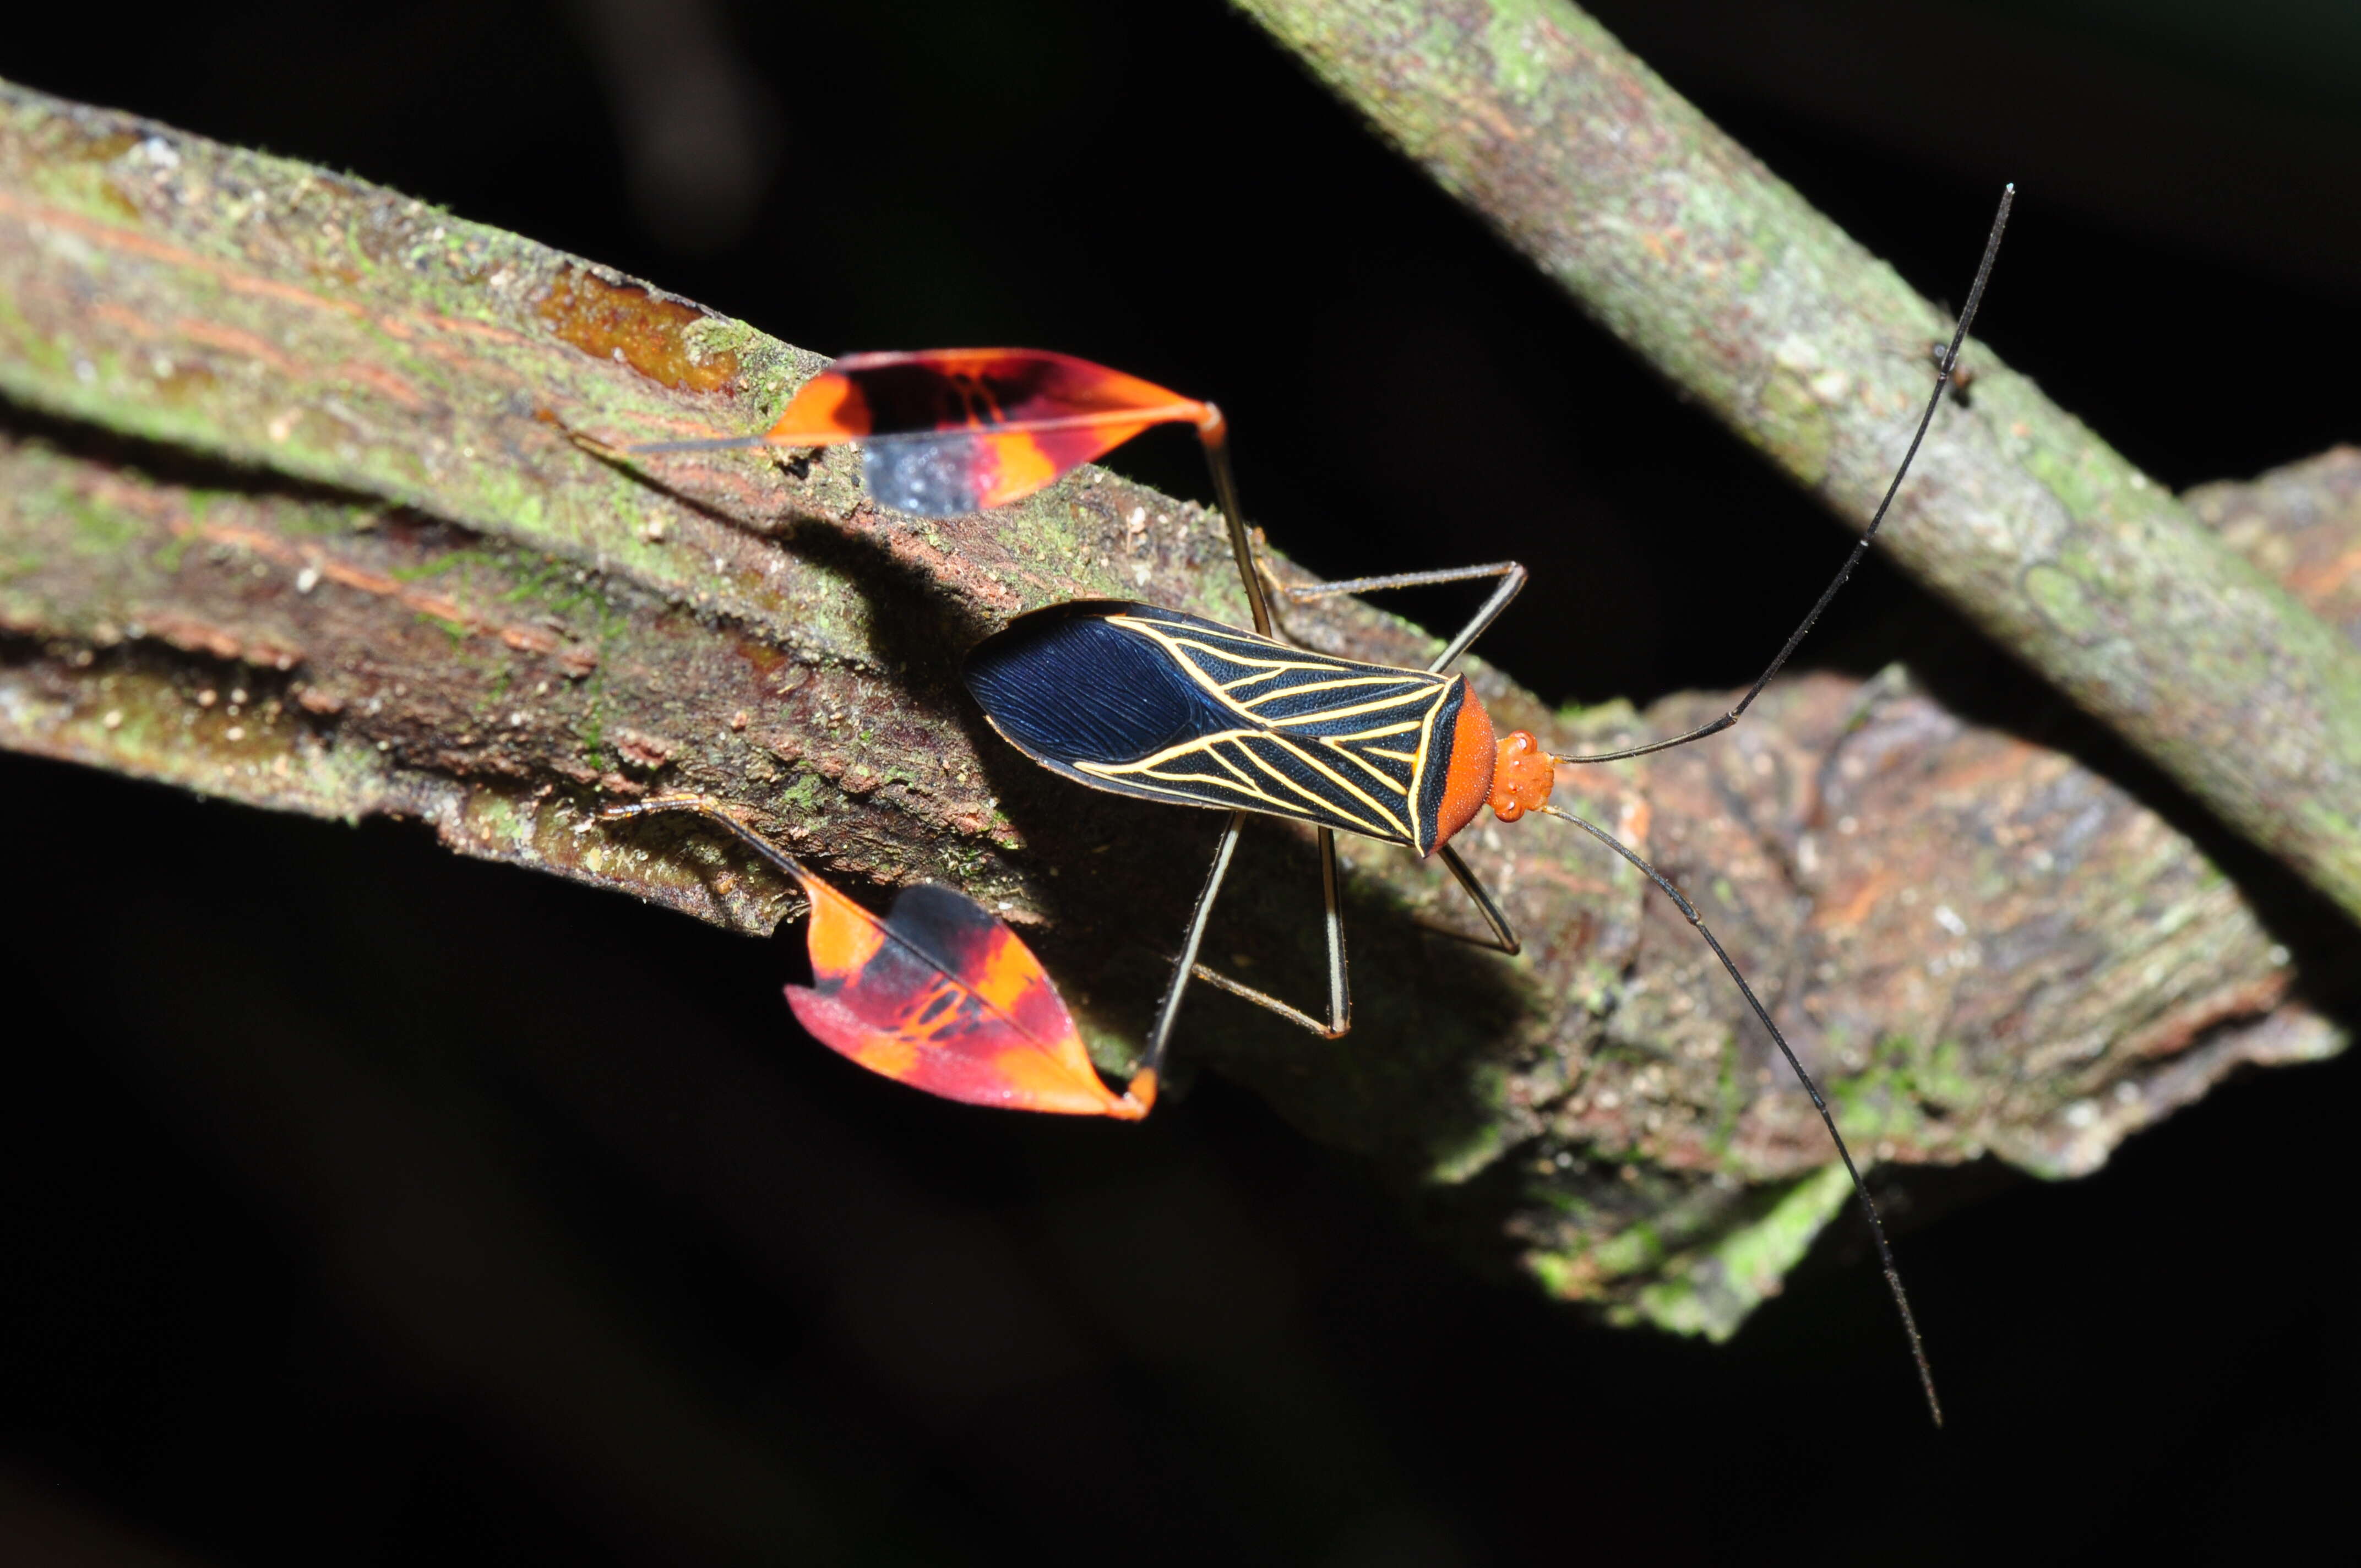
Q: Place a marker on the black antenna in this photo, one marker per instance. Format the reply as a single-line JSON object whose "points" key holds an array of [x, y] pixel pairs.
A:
{"points": [[1944, 366], [1942, 381], [1827, 1117]]}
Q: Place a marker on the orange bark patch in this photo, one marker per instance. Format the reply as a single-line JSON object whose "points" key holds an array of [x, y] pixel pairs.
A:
{"points": [[644, 751], [195, 636], [380, 379], [2315, 584], [622, 321], [574, 659], [2178, 1030], [235, 340]]}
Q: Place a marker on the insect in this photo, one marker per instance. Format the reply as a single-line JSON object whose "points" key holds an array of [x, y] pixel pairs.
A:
{"points": [[940, 994], [1160, 704]]}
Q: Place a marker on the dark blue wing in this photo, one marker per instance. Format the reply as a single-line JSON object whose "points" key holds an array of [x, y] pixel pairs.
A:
{"points": [[1165, 705], [1065, 686]]}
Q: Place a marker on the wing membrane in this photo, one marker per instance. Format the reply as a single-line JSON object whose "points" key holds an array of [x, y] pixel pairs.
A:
{"points": [[1158, 704]]}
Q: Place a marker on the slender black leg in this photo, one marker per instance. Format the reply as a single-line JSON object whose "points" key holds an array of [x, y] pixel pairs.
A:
{"points": [[1252, 573], [1331, 897], [1213, 434], [1827, 1117], [1861, 547], [1168, 1009], [1503, 939], [705, 444], [1512, 581], [1512, 578], [1340, 989]]}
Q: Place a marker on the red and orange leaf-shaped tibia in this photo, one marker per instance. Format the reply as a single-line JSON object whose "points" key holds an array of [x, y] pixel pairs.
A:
{"points": [[941, 995], [949, 431]]}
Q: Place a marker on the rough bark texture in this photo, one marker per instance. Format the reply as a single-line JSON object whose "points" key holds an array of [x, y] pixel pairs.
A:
{"points": [[1682, 244], [290, 514]]}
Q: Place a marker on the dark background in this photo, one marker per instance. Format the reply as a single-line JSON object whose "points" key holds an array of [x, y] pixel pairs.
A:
{"points": [[362, 1204]]}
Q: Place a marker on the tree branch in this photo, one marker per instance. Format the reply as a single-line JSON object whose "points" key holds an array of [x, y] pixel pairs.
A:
{"points": [[290, 514], [1677, 240]]}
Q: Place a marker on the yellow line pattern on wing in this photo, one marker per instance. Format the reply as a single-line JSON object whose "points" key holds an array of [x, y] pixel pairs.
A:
{"points": [[1341, 780]]}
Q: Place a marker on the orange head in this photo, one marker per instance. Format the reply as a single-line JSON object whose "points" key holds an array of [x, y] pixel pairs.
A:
{"points": [[1522, 776]]}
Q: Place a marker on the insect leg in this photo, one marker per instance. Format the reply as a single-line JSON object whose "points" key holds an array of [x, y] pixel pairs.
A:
{"points": [[1503, 939], [1340, 989], [1827, 1117], [1512, 582], [1168, 1009], [1213, 434], [1943, 373], [705, 444], [720, 816]]}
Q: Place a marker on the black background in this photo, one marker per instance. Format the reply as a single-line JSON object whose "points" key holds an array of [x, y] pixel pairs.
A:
{"points": [[362, 1204]]}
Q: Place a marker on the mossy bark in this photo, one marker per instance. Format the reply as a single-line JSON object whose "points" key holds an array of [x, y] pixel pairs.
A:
{"points": [[303, 504]]}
